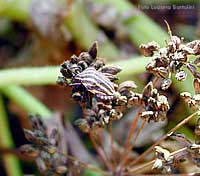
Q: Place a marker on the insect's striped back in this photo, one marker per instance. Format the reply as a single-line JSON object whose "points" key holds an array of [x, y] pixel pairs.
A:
{"points": [[95, 82]]}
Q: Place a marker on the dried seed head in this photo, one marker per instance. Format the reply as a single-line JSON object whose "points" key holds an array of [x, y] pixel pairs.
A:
{"points": [[164, 159], [99, 63], [77, 96], [163, 153], [135, 99], [181, 75], [148, 50], [147, 115], [84, 56], [194, 150], [163, 103], [74, 59], [186, 96], [195, 45]]}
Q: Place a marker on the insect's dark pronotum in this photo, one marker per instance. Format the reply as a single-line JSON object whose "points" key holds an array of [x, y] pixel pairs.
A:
{"points": [[96, 83]]}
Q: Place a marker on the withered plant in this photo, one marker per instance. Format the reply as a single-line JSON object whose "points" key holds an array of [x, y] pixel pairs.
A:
{"points": [[104, 100]]}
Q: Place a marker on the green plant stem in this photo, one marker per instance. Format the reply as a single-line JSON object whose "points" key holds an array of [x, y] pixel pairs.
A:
{"points": [[10, 161], [26, 100], [141, 28], [29, 76], [15, 9], [49, 75]]}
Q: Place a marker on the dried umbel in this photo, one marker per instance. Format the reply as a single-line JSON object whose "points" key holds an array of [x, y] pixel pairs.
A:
{"points": [[44, 148], [171, 59], [94, 88], [155, 105], [192, 101], [168, 161], [164, 159]]}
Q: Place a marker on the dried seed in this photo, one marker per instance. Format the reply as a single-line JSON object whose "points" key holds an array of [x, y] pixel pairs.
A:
{"points": [[110, 69], [127, 86], [77, 96], [146, 115], [181, 75], [192, 104], [197, 98], [93, 50], [74, 59], [161, 72], [147, 91], [186, 96], [29, 150], [147, 50], [166, 83]]}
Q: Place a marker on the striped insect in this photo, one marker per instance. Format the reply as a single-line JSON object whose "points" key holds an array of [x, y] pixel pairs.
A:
{"points": [[95, 82]]}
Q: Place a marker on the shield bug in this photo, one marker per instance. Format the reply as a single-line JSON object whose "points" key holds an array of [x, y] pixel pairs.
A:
{"points": [[94, 82]]}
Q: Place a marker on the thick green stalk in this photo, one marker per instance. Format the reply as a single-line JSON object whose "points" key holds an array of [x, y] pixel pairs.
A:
{"points": [[11, 163], [29, 76], [49, 75], [26, 100], [15, 9]]}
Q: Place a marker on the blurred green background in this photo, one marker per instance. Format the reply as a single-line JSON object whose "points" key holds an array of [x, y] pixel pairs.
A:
{"points": [[36, 36]]}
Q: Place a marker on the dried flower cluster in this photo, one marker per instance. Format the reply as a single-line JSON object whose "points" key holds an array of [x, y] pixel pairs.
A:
{"points": [[43, 147], [166, 160], [93, 86], [172, 59], [156, 106]]}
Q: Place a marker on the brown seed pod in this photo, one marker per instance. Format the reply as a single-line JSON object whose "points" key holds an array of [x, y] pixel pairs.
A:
{"points": [[93, 50], [127, 86], [148, 50], [110, 69], [186, 96], [29, 150], [181, 75]]}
